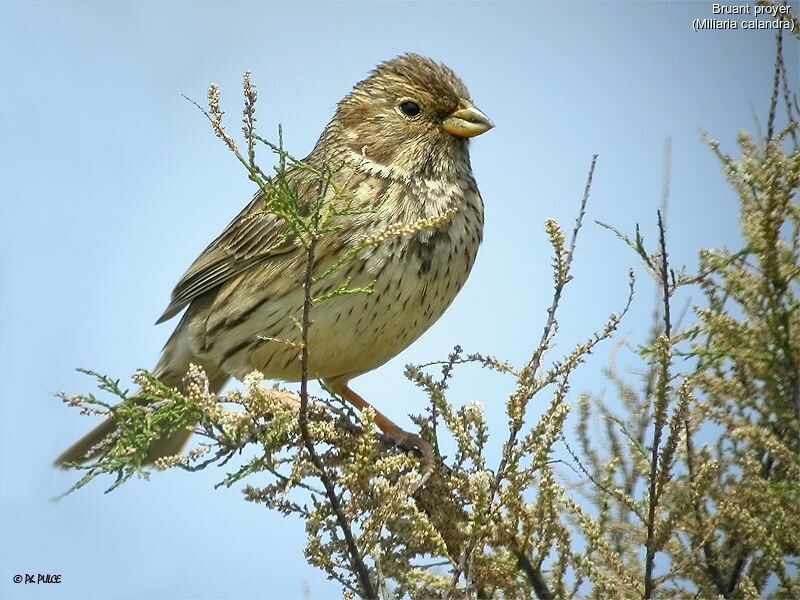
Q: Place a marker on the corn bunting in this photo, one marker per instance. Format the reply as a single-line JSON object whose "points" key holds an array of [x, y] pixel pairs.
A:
{"points": [[400, 142]]}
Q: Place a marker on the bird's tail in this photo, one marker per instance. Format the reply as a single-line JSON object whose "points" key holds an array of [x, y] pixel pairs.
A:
{"points": [[170, 370]]}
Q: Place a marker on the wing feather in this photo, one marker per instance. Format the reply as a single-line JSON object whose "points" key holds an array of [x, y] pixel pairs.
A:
{"points": [[253, 237]]}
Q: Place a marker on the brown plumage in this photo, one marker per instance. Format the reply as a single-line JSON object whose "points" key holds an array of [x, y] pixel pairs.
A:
{"points": [[400, 143]]}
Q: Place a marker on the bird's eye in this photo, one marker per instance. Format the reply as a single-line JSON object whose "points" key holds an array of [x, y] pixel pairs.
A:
{"points": [[409, 108]]}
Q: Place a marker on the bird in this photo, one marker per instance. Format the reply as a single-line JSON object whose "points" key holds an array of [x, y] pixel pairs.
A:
{"points": [[399, 142]]}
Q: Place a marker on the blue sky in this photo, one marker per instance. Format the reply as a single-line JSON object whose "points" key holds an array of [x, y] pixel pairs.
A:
{"points": [[112, 183]]}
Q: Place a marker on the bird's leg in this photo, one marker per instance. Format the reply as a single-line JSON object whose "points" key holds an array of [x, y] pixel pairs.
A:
{"points": [[385, 424], [402, 438]]}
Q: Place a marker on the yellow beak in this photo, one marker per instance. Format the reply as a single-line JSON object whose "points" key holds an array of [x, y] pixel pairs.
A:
{"points": [[467, 122]]}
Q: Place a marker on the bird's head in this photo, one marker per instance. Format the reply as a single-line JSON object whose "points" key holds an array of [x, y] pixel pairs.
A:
{"points": [[411, 117]]}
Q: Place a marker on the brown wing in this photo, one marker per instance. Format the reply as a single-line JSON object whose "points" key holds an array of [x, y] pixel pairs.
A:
{"points": [[252, 238]]}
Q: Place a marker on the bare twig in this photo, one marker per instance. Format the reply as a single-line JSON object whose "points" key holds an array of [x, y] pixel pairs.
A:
{"points": [[534, 576], [530, 369], [660, 401], [526, 374], [664, 275], [357, 562], [776, 81], [708, 549]]}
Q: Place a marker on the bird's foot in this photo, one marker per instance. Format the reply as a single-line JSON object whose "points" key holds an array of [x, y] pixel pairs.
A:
{"points": [[411, 442], [397, 436]]}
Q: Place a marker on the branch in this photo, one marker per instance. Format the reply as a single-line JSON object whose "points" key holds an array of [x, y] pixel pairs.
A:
{"points": [[659, 414], [708, 548], [527, 373], [776, 81], [330, 490], [534, 576], [535, 361]]}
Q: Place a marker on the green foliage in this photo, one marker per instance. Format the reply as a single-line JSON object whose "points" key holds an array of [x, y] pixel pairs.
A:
{"points": [[154, 411], [723, 485]]}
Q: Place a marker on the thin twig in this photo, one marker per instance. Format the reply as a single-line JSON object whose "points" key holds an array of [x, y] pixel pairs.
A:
{"points": [[662, 240], [659, 422], [534, 576], [330, 491], [708, 549], [528, 371], [776, 81], [535, 362], [603, 488]]}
